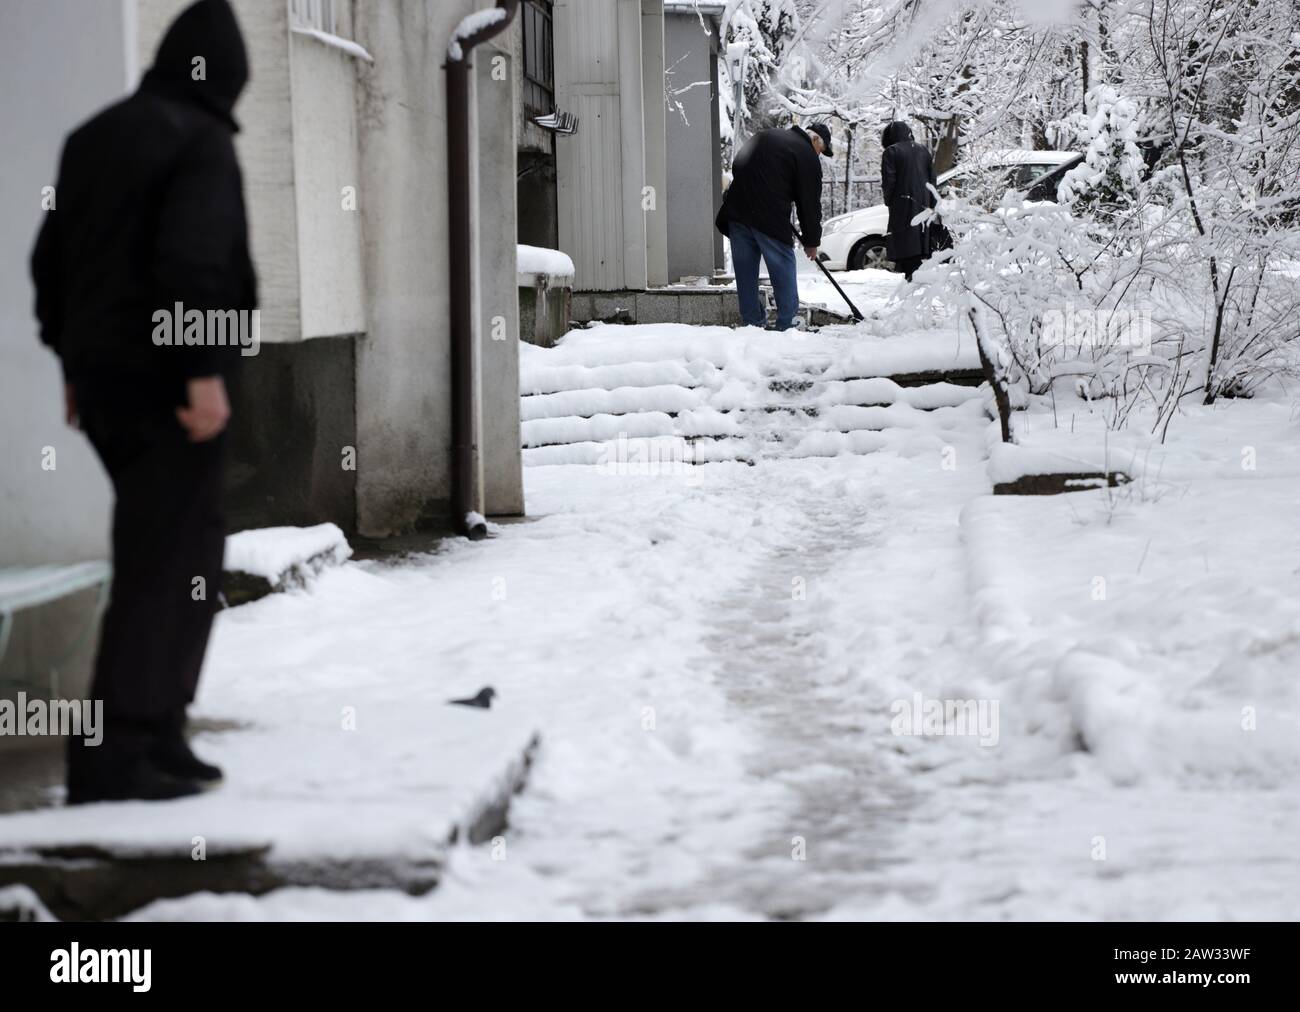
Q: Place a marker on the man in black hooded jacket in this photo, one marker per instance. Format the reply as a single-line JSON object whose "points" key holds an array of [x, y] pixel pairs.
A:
{"points": [[150, 219], [906, 178]]}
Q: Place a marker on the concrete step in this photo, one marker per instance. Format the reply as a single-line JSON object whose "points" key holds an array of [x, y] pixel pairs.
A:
{"points": [[840, 390], [269, 830]]}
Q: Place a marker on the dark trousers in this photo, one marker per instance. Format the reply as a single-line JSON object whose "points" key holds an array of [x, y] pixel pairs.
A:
{"points": [[747, 246], [907, 266], [168, 542]]}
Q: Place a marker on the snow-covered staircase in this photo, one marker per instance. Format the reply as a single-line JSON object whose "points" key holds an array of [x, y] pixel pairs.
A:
{"points": [[703, 394]]}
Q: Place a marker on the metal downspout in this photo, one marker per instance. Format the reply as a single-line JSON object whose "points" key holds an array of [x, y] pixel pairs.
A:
{"points": [[464, 430]]}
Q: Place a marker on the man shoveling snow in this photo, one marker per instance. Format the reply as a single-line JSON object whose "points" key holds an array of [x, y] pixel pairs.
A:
{"points": [[774, 169]]}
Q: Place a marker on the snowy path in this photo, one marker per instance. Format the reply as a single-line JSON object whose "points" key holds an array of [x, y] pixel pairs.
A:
{"points": [[807, 640], [770, 724], [713, 655], [700, 722]]}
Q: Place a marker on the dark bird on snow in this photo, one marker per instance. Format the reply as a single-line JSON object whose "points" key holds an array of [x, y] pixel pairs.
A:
{"points": [[483, 700]]}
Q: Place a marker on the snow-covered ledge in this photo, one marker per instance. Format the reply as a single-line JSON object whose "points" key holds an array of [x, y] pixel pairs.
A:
{"points": [[538, 267], [271, 559], [543, 311], [335, 42]]}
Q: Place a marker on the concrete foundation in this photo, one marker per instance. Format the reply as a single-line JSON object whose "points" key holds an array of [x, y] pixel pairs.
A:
{"points": [[544, 312], [705, 307], [293, 423]]}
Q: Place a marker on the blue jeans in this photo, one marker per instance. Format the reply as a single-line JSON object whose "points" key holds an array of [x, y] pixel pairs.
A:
{"points": [[747, 245]]}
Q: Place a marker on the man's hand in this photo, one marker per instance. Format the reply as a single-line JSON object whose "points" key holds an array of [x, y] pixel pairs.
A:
{"points": [[209, 410], [811, 253], [70, 406]]}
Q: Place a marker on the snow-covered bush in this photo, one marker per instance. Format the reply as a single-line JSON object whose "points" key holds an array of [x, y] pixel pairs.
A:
{"points": [[1183, 217], [1109, 178]]}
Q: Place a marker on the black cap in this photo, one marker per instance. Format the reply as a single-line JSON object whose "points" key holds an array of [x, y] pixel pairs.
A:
{"points": [[824, 132]]}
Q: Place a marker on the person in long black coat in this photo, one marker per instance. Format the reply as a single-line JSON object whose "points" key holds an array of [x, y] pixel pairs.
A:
{"points": [[906, 178], [149, 213]]}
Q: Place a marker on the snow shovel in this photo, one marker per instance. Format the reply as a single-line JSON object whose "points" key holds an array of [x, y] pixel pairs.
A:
{"points": [[857, 313]]}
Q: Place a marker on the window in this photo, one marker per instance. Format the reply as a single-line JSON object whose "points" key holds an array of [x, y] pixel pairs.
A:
{"points": [[1029, 173], [1046, 185], [539, 58], [317, 14]]}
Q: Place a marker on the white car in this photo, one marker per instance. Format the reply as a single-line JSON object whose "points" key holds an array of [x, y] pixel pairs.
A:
{"points": [[856, 240]]}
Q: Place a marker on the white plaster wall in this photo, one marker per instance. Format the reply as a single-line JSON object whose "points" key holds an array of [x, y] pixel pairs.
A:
{"points": [[495, 147], [326, 159], [60, 62], [403, 362], [399, 290], [266, 151]]}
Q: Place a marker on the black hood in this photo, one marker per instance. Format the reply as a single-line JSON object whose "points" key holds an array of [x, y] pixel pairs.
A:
{"points": [[206, 29], [895, 132]]}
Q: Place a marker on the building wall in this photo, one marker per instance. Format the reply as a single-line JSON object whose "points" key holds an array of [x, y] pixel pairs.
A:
{"points": [[293, 407], [715, 115], [601, 169], [403, 363], [326, 163], [61, 514], [531, 137], [656, 158], [376, 277], [265, 145], [294, 411], [631, 94], [60, 62], [694, 178], [500, 440], [589, 184], [535, 198]]}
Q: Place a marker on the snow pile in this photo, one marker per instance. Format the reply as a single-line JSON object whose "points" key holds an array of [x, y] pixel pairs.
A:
{"points": [[1009, 462], [714, 665], [1156, 626], [741, 394], [538, 260], [273, 552], [470, 26], [864, 287], [1244, 438], [750, 351]]}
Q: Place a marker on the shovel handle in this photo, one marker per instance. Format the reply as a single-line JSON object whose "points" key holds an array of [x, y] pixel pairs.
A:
{"points": [[857, 314]]}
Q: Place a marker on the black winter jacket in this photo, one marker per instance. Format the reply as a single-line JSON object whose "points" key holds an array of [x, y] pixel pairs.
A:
{"points": [[774, 169], [149, 212], [905, 169]]}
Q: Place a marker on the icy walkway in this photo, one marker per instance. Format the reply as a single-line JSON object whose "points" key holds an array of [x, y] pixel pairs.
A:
{"points": [[715, 656]]}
